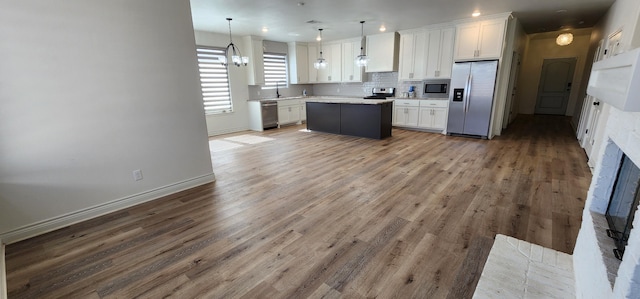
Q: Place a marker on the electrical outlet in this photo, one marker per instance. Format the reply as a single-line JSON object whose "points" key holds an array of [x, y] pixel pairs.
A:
{"points": [[137, 175]]}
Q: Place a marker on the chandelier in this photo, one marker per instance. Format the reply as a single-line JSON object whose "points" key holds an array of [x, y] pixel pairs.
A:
{"points": [[320, 63], [236, 56], [362, 59], [564, 39]]}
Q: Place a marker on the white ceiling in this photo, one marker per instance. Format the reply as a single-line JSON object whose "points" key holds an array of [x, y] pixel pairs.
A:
{"points": [[287, 20]]}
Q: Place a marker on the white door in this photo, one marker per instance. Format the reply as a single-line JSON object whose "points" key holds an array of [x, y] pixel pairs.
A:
{"points": [[590, 132], [555, 86], [509, 111]]}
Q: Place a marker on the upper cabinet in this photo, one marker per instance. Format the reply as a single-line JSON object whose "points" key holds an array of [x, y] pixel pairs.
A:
{"points": [[479, 40], [298, 63], [350, 71], [412, 55], [312, 49], [439, 54], [333, 72], [382, 50], [426, 53], [255, 51]]}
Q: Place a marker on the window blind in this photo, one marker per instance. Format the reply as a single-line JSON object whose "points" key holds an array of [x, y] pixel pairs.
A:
{"points": [[275, 70], [214, 80]]}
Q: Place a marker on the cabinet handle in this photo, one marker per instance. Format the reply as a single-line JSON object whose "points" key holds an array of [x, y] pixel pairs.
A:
{"points": [[329, 77], [351, 77], [410, 75], [437, 73]]}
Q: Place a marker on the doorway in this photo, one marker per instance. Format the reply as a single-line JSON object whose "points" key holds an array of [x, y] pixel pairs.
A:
{"points": [[555, 86]]}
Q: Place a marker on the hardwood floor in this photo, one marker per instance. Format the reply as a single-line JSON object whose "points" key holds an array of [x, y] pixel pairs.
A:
{"points": [[313, 215]]}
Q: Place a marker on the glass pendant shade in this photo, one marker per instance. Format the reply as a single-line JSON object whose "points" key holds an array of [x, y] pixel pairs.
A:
{"points": [[564, 39], [320, 63], [236, 56], [362, 60]]}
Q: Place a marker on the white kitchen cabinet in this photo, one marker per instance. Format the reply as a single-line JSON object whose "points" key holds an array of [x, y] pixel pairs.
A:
{"points": [[412, 56], [291, 111], [313, 56], [350, 71], [433, 114], [255, 51], [405, 113], [298, 63], [382, 50], [439, 53], [479, 40], [333, 72]]}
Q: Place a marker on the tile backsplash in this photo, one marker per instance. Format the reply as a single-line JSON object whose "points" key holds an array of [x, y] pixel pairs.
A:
{"points": [[387, 79]]}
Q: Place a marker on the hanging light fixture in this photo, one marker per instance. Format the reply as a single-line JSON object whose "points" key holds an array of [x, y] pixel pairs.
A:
{"points": [[564, 39], [362, 59], [320, 63], [236, 56]]}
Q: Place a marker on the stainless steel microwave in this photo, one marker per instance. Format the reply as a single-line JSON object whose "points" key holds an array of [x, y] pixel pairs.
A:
{"points": [[436, 88]]}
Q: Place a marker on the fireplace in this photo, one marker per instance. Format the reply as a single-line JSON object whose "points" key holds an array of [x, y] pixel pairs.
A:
{"points": [[623, 204]]}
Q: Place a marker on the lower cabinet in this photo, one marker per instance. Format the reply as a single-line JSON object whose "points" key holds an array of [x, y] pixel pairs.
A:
{"points": [[422, 114], [291, 112], [433, 118], [405, 113]]}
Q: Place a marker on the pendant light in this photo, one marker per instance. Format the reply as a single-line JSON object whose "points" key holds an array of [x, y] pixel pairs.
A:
{"points": [[320, 63], [236, 56], [362, 59]]}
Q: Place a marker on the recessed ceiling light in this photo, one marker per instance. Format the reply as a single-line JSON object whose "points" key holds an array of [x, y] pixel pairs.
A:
{"points": [[475, 13], [382, 28], [300, 3], [265, 29], [561, 11]]}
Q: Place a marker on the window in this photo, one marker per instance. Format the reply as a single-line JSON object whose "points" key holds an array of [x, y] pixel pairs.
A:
{"points": [[214, 80], [275, 70]]}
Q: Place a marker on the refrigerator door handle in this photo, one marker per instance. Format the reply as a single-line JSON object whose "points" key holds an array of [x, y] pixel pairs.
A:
{"points": [[467, 88]]}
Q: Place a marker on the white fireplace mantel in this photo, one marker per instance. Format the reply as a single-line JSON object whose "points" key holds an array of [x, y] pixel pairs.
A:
{"points": [[616, 81]]}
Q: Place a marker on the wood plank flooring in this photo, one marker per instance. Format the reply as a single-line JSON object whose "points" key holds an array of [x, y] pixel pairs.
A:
{"points": [[313, 215]]}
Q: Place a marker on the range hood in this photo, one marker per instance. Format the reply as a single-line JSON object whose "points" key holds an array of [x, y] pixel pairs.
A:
{"points": [[616, 81]]}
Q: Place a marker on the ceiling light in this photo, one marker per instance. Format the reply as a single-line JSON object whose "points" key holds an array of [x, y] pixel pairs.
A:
{"points": [[475, 13], [265, 29], [236, 56], [320, 63], [382, 28], [362, 59], [564, 39]]}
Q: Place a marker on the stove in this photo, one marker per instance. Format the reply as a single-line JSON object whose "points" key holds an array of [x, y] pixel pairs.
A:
{"points": [[382, 93]]}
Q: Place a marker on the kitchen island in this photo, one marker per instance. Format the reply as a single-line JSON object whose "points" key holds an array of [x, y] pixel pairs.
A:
{"points": [[350, 116]]}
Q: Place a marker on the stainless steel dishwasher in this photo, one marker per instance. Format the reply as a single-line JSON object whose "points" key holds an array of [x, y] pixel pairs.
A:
{"points": [[269, 114]]}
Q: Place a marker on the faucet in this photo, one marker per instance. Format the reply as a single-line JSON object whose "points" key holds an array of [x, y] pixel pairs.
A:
{"points": [[277, 91]]}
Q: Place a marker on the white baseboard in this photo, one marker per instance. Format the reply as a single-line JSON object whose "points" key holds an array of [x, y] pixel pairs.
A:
{"points": [[52, 224], [3, 273]]}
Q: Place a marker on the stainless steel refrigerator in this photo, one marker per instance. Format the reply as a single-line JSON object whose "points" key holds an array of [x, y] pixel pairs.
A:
{"points": [[471, 98]]}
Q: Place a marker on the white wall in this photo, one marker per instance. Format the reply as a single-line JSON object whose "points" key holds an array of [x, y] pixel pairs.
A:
{"points": [[543, 46], [90, 91]]}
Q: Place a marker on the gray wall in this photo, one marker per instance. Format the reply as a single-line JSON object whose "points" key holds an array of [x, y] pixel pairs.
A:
{"points": [[90, 91]]}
